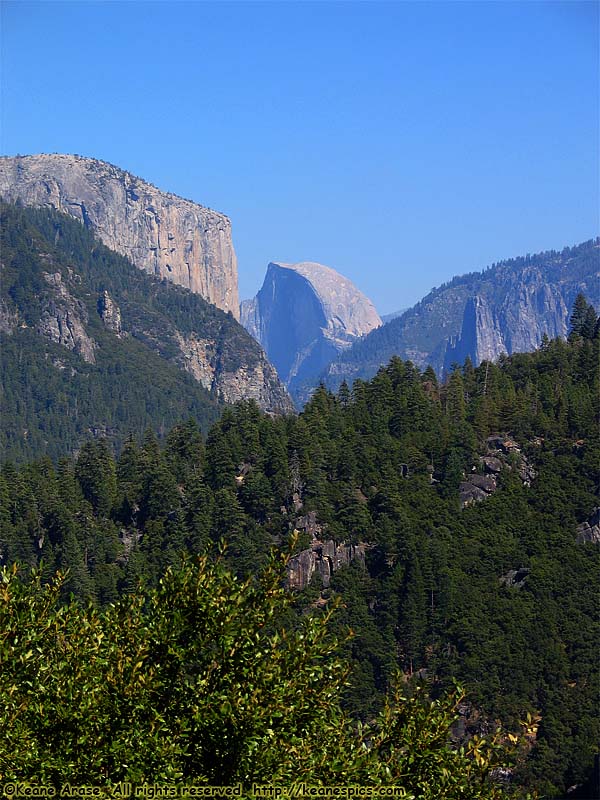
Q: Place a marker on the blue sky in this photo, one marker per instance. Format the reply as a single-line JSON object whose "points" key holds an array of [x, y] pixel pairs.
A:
{"points": [[399, 142]]}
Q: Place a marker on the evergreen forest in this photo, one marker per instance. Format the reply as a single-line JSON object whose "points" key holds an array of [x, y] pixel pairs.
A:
{"points": [[171, 610], [54, 273]]}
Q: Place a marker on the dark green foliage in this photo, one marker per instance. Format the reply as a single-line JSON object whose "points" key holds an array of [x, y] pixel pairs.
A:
{"points": [[380, 465], [579, 316], [52, 398]]}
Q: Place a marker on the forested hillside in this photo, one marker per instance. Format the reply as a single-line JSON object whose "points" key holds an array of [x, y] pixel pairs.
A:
{"points": [[92, 345], [466, 494]]}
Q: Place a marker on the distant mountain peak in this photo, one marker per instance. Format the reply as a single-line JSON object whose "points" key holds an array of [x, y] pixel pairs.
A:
{"points": [[349, 312], [304, 315]]}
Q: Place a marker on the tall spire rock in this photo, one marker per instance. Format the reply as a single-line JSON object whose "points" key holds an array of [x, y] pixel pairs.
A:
{"points": [[162, 234], [304, 315], [506, 308]]}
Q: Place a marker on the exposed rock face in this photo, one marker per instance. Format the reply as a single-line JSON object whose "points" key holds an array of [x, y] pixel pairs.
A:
{"points": [[589, 531], [476, 487], [9, 319], [304, 315], [505, 309], [480, 336], [253, 381], [515, 578], [530, 309], [72, 312], [110, 313], [160, 233], [64, 318], [324, 558], [491, 464]]}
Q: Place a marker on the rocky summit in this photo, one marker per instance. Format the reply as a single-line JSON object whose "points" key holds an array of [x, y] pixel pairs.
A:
{"points": [[160, 233], [304, 315]]}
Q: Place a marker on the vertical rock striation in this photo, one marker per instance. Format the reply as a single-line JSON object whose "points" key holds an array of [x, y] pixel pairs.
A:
{"points": [[64, 318], [514, 323], [110, 313], [159, 232]]}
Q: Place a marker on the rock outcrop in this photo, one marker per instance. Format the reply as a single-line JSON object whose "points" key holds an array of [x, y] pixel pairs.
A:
{"points": [[137, 335], [476, 488], [503, 453], [304, 315], [9, 319], [589, 531], [515, 578], [159, 232], [505, 309], [323, 558], [529, 309], [110, 313], [480, 336], [255, 380], [64, 318]]}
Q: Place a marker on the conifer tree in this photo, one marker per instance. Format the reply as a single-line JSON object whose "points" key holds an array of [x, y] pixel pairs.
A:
{"points": [[95, 472], [588, 326], [455, 397], [184, 450], [578, 315]]}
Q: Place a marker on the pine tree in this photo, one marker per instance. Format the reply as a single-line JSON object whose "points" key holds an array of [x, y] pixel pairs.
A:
{"points": [[198, 510], [588, 326], [455, 397], [578, 316], [453, 473], [184, 451], [344, 394], [130, 481], [413, 614], [96, 473], [221, 465]]}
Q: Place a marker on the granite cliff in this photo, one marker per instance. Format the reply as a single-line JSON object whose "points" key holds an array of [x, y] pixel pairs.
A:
{"points": [[516, 321], [162, 234], [506, 308], [304, 315]]}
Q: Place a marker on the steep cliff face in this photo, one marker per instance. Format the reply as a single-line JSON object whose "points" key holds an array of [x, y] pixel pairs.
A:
{"points": [[505, 309], [160, 233], [254, 380], [304, 315], [324, 558], [110, 313], [64, 318], [480, 336], [534, 307], [516, 322]]}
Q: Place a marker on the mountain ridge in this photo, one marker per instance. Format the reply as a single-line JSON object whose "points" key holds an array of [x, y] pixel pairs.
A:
{"points": [[511, 296]]}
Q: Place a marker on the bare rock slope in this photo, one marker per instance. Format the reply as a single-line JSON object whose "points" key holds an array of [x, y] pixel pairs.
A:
{"points": [[305, 315], [162, 234]]}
